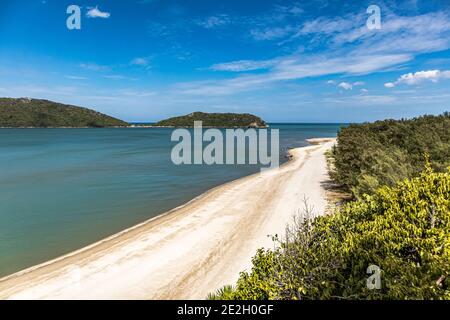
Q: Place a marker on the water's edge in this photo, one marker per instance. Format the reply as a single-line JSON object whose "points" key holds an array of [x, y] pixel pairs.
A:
{"points": [[79, 222]]}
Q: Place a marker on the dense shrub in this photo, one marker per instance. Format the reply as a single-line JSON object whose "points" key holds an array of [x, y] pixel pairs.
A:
{"points": [[372, 155], [403, 229]]}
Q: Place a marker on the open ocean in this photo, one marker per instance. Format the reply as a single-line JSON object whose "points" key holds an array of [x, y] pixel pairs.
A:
{"points": [[62, 189]]}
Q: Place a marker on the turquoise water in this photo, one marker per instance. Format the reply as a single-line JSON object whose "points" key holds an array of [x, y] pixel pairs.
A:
{"points": [[62, 189]]}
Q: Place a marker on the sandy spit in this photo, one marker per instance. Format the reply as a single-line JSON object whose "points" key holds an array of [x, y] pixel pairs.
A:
{"points": [[191, 250]]}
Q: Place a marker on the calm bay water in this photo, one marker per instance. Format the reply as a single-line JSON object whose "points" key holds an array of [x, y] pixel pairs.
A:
{"points": [[62, 189]]}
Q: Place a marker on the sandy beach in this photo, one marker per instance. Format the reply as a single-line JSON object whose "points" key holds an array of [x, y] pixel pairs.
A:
{"points": [[191, 250]]}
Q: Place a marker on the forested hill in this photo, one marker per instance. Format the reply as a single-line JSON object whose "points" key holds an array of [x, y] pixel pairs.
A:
{"points": [[371, 155], [219, 120], [25, 112]]}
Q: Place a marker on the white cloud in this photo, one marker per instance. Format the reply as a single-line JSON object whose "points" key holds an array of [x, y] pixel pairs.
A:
{"points": [[270, 33], [326, 26], [398, 42], [117, 77], [399, 34], [414, 34], [243, 65], [75, 77], [114, 77], [345, 85], [419, 76], [361, 99], [135, 93], [93, 67], [415, 78], [214, 21], [42, 90], [140, 62], [349, 86], [292, 68], [293, 9], [96, 13]]}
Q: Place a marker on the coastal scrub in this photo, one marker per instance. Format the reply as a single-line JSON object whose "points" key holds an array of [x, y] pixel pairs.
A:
{"points": [[404, 230]]}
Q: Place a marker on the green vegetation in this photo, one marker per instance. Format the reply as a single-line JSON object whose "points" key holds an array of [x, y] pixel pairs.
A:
{"points": [[372, 155], [24, 112], [218, 120], [399, 221], [402, 229]]}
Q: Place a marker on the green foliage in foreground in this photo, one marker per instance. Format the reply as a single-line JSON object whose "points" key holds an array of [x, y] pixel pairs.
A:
{"points": [[372, 155], [24, 112], [402, 229], [218, 120]]}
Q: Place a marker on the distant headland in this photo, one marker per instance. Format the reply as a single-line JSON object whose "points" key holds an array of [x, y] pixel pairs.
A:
{"points": [[36, 113]]}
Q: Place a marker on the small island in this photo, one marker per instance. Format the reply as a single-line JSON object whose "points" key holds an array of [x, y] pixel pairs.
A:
{"points": [[36, 113], [216, 120]]}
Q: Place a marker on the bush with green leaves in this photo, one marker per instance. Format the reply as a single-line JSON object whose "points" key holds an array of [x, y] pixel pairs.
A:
{"points": [[371, 155], [403, 229]]}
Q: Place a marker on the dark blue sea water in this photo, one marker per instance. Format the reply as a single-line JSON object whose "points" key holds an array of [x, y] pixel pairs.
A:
{"points": [[62, 189]]}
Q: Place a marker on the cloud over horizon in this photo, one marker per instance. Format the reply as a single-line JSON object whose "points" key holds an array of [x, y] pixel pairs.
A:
{"points": [[346, 47], [419, 77]]}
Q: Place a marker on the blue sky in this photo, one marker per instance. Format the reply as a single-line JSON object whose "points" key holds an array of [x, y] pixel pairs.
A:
{"points": [[287, 61]]}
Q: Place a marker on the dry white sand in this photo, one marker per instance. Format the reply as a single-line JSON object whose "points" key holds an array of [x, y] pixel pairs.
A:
{"points": [[191, 250]]}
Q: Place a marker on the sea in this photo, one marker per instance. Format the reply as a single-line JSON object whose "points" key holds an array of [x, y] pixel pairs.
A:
{"points": [[63, 189]]}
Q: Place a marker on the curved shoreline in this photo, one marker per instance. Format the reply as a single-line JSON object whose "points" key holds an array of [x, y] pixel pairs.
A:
{"points": [[138, 225], [180, 253]]}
